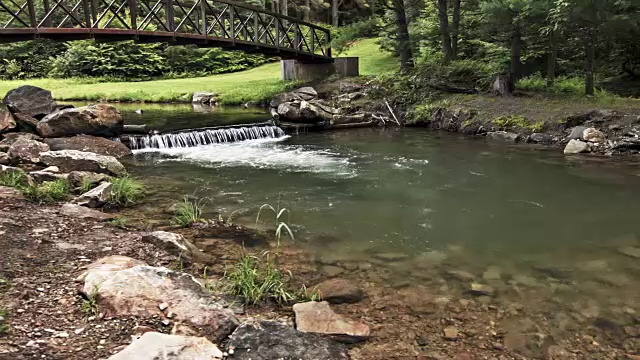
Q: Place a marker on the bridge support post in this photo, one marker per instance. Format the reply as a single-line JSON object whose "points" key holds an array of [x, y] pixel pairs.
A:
{"points": [[295, 70]]}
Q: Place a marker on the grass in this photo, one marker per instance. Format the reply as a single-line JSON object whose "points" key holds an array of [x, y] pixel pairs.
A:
{"points": [[513, 121], [281, 226], [188, 212], [373, 61], [48, 191], [14, 179], [125, 191], [120, 222], [255, 279], [260, 83], [89, 306]]}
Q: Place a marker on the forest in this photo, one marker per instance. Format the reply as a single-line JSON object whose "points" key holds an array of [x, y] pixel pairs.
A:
{"points": [[551, 44]]}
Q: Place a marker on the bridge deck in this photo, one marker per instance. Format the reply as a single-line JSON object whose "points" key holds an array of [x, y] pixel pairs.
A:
{"points": [[205, 23]]}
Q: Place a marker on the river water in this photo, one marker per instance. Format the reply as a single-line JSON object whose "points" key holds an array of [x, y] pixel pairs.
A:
{"points": [[423, 206]]}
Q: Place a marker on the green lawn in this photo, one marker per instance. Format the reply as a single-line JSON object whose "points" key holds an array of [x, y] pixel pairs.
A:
{"points": [[235, 88]]}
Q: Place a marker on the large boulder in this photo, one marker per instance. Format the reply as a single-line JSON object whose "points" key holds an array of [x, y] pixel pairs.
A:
{"points": [[52, 173], [319, 318], [30, 100], [576, 147], [338, 291], [306, 111], [73, 160], [503, 136], [139, 291], [26, 122], [594, 135], [177, 245], [268, 340], [154, 346], [4, 158], [9, 138], [7, 123], [89, 143], [99, 120], [95, 197], [25, 151], [10, 193], [305, 93], [203, 97], [78, 178]]}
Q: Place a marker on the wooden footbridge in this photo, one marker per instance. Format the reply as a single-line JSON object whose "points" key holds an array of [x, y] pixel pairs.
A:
{"points": [[205, 23]]}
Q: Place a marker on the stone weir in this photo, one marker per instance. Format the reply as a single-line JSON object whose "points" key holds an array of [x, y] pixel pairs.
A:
{"points": [[203, 136]]}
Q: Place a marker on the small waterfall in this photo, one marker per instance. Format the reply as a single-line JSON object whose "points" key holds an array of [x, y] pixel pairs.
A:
{"points": [[201, 137]]}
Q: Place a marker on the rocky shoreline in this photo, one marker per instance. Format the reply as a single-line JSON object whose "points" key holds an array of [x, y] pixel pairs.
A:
{"points": [[74, 285]]}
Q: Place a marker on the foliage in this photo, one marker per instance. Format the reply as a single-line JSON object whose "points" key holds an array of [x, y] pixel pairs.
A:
{"points": [[343, 37], [125, 191], [120, 222], [29, 59], [256, 279], [281, 227], [89, 305], [188, 212], [561, 85], [48, 191], [86, 185], [512, 121]]}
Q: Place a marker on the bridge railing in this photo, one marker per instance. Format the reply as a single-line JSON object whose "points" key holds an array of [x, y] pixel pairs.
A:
{"points": [[223, 21]]}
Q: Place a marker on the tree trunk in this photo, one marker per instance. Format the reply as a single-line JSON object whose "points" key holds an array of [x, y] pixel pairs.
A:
{"points": [[552, 58], [502, 85], [307, 9], [589, 87], [334, 13], [516, 53], [443, 22], [402, 35], [455, 29], [285, 8]]}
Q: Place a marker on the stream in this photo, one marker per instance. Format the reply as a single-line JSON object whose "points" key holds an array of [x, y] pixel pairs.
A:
{"points": [[421, 206]]}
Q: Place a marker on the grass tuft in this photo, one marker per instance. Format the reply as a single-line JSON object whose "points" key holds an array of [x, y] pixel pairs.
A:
{"points": [[15, 179], [514, 121], [89, 306], [125, 191], [188, 212], [256, 279], [4, 327], [48, 192]]}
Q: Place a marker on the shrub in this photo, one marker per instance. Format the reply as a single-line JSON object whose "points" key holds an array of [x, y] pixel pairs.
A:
{"points": [[513, 121], [562, 85], [188, 212], [48, 191], [343, 37], [125, 191], [256, 279]]}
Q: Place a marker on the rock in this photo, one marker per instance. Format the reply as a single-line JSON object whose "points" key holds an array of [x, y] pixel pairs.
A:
{"points": [[450, 333], [540, 138], [11, 193], [137, 291], [503, 136], [555, 272], [98, 145], [26, 151], [481, 289], [576, 147], [95, 197], [492, 273], [331, 271], [7, 123], [100, 120], [77, 178], [25, 122], [30, 100], [555, 352], [10, 138], [391, 257], [177, 245], [154, 345], [106, 265], [346, 87], [461, 275], [47, 175], [269, 340], [203, 97], [593, 135], [319, 318], [630, 251], [4, 159], [289, 111], [73, 160], [337, 291], [577, 133], [81, 212], [306, 93]]}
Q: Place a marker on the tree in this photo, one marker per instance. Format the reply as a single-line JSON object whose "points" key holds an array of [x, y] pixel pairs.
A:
{"points": [[403, 40]]}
